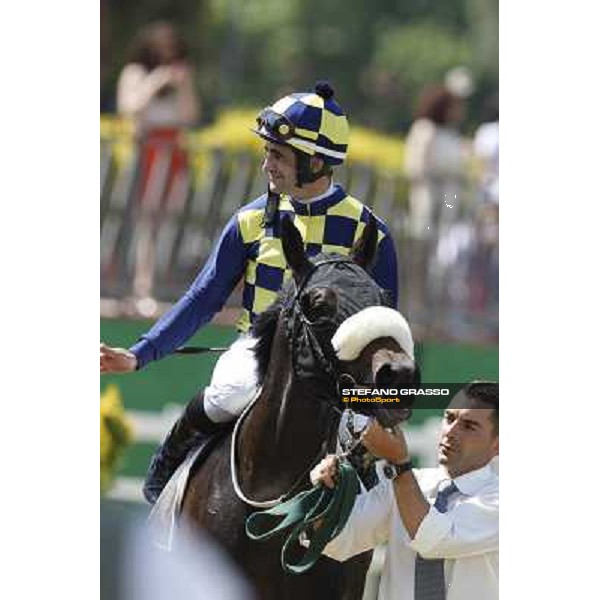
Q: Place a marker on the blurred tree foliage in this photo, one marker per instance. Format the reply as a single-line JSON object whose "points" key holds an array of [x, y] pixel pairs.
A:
{"points": [[378, 55]]}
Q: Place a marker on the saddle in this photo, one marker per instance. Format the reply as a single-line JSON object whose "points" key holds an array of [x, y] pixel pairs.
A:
{"points": [[163, 519]]}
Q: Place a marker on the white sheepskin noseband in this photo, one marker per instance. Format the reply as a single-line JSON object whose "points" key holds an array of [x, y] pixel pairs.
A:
{"points": [[367, 325]]}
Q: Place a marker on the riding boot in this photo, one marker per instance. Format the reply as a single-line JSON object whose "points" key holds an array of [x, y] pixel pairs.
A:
{"points": [[189, 431]]}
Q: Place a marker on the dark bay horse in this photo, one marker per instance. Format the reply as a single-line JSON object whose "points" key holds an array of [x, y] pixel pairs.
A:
{"points": [[282, 436]]}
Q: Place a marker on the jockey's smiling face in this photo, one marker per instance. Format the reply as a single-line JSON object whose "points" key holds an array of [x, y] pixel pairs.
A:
{"points": [[280, 166]]}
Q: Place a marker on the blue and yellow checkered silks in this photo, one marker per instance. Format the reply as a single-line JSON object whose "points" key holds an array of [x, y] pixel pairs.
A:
{"points": [[319, 124], [332, 227], [252, 250]]}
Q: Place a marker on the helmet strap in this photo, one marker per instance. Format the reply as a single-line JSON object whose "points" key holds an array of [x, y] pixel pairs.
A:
{"points": [[304, 173]]}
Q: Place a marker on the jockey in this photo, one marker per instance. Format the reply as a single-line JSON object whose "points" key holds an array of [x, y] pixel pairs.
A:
{"points": [[306, 135]]}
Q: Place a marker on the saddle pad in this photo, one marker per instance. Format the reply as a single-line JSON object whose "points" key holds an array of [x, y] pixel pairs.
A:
{"points": [[163, 518]]}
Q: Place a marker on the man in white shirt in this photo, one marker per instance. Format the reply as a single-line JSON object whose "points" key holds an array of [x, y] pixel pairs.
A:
{"points": [[448, 513]]}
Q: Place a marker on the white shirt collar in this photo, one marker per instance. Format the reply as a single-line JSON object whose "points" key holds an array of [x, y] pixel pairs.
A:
{"points": [[319, 197], [470, 483]]}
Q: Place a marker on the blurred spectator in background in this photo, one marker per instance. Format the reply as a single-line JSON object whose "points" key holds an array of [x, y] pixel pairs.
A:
{"points": [[486, 149], [156, 90], [484, 263], [435, 163], [435, 157]]}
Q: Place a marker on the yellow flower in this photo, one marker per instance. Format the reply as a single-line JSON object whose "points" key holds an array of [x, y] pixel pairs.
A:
{"points": [[385, 153], [116, 433], [118, 134]]}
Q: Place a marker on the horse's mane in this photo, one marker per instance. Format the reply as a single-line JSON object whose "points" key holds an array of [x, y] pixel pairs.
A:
{"points": [[263, 329]]}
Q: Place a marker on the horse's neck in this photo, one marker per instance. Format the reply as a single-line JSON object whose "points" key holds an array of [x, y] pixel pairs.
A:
{"points": [[280, 437]]}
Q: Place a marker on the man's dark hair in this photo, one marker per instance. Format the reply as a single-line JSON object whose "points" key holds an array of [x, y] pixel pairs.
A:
{"points": [[479, 394], [485, 395], [144, 49], [435, 103]]}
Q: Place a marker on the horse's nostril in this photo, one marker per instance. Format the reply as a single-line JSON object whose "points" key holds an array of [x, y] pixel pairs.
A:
{"points": [[385, 375], [390, 374]]}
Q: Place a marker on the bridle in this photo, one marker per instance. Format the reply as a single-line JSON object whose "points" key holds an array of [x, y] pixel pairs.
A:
{"points": [[328, 363], [297, 320], [233, 466], [297, 323]]}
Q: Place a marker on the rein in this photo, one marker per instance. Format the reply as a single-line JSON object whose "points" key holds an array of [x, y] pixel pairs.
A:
{"points": [[294, 318], [328, 364], [199, 349], [330, 507], [233, 465]]}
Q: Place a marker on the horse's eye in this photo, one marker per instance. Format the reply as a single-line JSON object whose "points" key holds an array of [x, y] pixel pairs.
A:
{"points": [[319, 303]]}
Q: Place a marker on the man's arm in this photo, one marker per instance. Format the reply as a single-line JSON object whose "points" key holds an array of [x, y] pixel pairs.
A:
{"points": [[470, 528], [137, 87], [204, 298], [411, 503], [369, 522]]}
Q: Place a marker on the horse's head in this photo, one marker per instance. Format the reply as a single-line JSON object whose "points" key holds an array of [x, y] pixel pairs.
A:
{"points": [[376, 350], [322, 333], [340, 324]]}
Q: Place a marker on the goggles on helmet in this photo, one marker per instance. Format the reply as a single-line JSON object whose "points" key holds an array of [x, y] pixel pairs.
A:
{"points": [[276, 124]]}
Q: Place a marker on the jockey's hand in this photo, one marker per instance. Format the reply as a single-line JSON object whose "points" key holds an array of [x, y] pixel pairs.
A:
{"points": [[325, 472], [116, 360], [383, 444]]}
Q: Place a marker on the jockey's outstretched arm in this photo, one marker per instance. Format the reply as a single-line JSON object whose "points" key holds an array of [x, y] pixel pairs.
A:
{"points": [[203, 299]]}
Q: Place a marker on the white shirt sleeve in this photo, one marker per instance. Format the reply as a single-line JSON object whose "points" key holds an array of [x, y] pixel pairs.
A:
{"points": [[367, 526], [417, 148], [469, 528], [136, 87]]}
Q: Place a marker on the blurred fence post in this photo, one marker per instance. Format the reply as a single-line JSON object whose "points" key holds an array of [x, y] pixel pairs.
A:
{"points": [[157, 233]]}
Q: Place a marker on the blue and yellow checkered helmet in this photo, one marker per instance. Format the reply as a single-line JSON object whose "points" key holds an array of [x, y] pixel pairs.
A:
{"points": [[311, 122]]}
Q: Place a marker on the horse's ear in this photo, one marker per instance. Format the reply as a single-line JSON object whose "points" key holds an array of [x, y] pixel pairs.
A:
{"points": [[365, 248], [293, 249]]}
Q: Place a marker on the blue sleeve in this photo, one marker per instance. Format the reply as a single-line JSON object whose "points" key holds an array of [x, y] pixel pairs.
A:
{"points": [[204, 298], [385, 271]]}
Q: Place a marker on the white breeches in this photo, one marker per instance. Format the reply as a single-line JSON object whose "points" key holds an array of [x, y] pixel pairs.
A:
{"points": [[234, 381]]}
